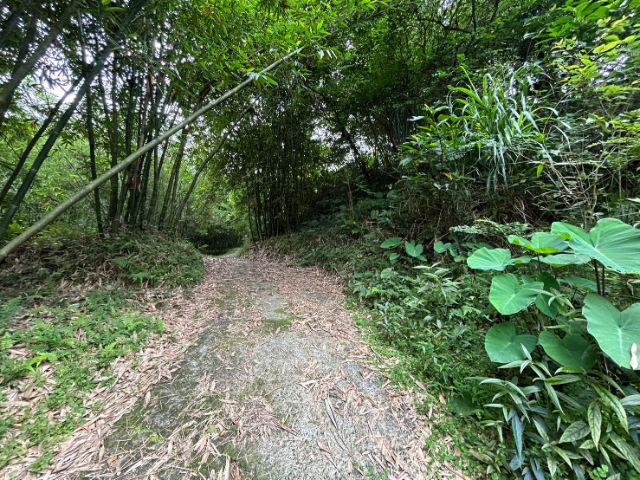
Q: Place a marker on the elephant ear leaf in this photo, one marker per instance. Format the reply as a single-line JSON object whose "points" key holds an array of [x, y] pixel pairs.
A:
{"points": [[504, 346], [571, 351], [490, 259], [616, 332], [440, 247], [509, 296], [391, 242], [544, 302], [413, 250], [580, 282], [612, 242], [541, 242], [564, 259]]}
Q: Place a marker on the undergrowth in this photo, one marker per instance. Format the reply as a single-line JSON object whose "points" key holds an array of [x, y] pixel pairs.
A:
{"points": [[143, 259], [57, 343], [54, 361]]}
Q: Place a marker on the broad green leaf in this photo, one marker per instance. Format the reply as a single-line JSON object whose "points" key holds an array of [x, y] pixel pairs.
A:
{"points": [[490, 259], [413, 250], [394, 256], [525, 259], [580, 282], [509, 296], [628, 451], [564, 259], [570, 351], [563, 379], [631, 401], [612, 242], [504, 346], [606, 47], [541, 242], [542, 301], [391, 242], [614, 331], [575, 432], [587, 445], [595, 421], [440, 247]]}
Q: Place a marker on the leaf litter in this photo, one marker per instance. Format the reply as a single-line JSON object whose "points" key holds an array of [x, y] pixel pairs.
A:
{"points": [[268, 377]]}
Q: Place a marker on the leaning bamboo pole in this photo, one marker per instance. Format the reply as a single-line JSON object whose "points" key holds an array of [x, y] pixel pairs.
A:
{"points": [[90, 187]]}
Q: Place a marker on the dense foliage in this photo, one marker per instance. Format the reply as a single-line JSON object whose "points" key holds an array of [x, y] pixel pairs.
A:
{"points": [[471, 167], [69, 307]]}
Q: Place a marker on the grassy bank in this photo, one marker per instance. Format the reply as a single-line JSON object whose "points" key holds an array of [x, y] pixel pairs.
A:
{"points": [[69, 307]]}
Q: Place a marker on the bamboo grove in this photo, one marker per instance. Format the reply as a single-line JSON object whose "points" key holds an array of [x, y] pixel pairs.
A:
{"points": [[376, 93], [124, 74]]}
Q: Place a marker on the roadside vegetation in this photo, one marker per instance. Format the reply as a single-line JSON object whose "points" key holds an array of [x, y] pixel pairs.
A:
{"points": [[70, 306], [471, 168]]}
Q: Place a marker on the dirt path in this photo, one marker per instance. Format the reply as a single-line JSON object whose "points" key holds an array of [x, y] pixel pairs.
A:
{"points": [[275, 385]]}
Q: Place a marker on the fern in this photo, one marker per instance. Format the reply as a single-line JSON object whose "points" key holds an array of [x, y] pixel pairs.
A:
{"points": [[8, 312], [122, 262], [5, 341]]}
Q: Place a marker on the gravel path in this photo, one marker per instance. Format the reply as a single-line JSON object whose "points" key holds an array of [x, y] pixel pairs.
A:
{"points": [[277, 385]]}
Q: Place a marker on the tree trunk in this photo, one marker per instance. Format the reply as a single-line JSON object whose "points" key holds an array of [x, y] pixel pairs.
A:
{"points": [[90, 134], [173, 179], [94, 171]]}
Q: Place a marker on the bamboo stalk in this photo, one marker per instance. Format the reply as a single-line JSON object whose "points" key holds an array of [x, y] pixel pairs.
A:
{"points": [[90, 187]]}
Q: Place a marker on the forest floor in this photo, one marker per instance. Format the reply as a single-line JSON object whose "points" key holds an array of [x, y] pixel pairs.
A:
{"points": [[274, 381]]}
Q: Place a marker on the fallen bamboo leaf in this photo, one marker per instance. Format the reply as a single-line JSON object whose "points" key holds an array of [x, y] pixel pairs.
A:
{"points": [[324, 449]]}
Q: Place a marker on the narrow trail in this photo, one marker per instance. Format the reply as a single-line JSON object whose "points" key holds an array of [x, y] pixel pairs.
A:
{"points": [[276, 384]]}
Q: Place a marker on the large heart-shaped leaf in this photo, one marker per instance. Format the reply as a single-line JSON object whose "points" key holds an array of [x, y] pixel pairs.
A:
{"points": [[615, 331], [564, 259], [612, 242], [549, 308], [504, 346], [391, 242], [580, 282], [541, 242], [412, 249], [571, 351], [509, 296], [490, 259]]}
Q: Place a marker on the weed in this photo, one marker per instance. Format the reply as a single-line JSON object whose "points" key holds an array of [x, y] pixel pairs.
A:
{"points": [[69, 349]]}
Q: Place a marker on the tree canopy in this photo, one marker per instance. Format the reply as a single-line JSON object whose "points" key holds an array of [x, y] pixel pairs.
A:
{"points": [[446, 122]]}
